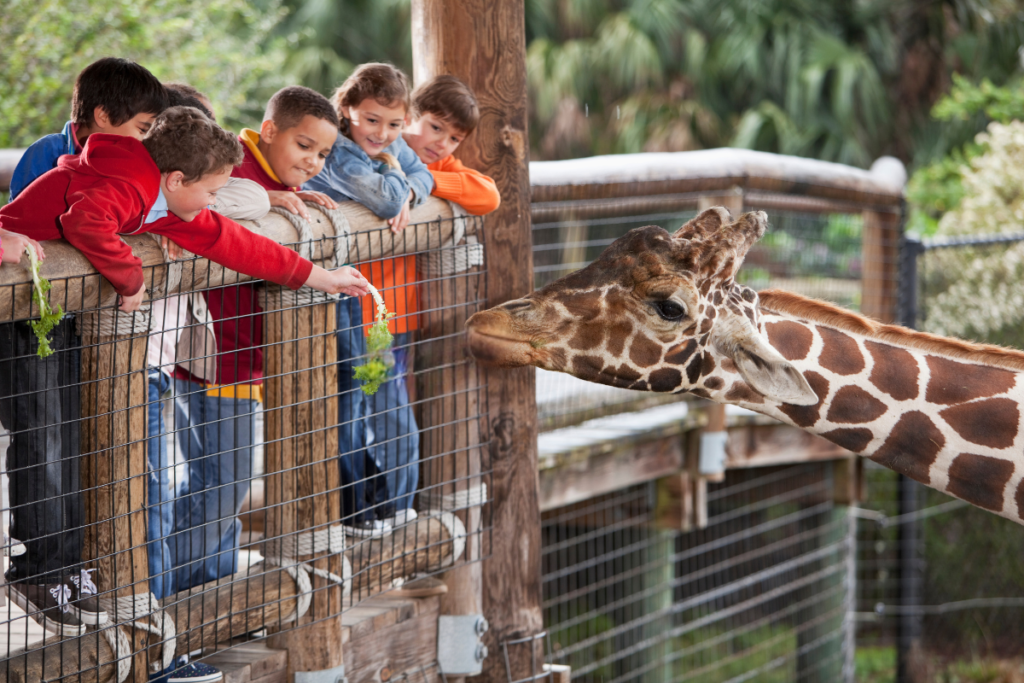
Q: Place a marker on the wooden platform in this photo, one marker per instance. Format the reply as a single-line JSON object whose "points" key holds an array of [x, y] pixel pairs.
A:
{"points": [[608, 453]]}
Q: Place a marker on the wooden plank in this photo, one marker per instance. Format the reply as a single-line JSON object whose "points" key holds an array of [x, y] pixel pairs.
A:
{"points": [[763, 445], [381, 654], [880, 243], [484, 43], [604, 471], [673, 510], [114, 471]]}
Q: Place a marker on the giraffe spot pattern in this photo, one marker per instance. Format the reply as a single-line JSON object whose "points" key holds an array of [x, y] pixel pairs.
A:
{"points": [[708, 365], [587, 365], [895, 372], [665, 379], [557, 358], [991, 422], [618, 334], [706, 325], [587, 337], [855, 440], [693, 369], [805, 416], [853, 405], [748, 295], [627, 373], [792, 340], [741, 391], [644, 352], [911, 447], [839, 352], [714, 383], [703, 393], [979, 479], [679, 354], [729, 365], [954, 382], [639, 386], [717, 298]]}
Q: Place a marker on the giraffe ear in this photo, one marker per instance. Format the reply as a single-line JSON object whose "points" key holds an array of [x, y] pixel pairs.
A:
{"points": [[775, 379], [760, 365]]}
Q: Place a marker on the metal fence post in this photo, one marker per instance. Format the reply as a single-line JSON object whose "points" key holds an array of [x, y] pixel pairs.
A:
{"points": [[909, 630]]}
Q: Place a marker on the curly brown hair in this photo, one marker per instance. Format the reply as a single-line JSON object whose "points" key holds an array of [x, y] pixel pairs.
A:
{"points": [[184, 139], [385, 83]]}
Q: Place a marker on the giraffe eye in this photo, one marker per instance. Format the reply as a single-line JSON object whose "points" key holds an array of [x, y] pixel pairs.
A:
{"points": [[670, 310]]}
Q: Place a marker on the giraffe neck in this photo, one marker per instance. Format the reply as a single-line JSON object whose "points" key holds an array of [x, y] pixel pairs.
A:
{"points": [[942, 412]]}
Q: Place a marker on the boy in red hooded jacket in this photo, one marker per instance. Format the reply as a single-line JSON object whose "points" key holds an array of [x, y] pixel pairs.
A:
{"points": [[111, 189]]}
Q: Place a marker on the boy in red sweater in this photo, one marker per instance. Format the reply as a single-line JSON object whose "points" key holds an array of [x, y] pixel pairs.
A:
{"points": [[91, 200], [215, 418]]}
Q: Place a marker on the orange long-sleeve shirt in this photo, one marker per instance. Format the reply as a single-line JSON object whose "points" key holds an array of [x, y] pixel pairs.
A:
{"points": [[396, 277]]}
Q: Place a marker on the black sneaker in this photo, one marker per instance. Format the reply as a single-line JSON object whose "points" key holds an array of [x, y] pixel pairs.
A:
{"points": [[42, 604], [86, 606]]}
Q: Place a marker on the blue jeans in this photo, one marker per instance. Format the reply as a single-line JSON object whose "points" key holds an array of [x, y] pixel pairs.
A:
{"points": [[216, 435], [352, 425], [395, 449], [162, 492]]}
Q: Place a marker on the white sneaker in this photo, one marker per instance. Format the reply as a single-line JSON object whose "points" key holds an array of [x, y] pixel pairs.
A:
{"points": [[403, 517], [368, 529]]}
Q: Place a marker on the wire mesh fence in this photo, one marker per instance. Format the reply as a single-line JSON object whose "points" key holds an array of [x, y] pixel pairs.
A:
{"points": [[761, 593], [210, 470]]}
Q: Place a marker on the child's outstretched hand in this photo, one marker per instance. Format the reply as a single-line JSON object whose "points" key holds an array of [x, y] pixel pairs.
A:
{"points": [[14, 246], [346, 280], [174, 251]]}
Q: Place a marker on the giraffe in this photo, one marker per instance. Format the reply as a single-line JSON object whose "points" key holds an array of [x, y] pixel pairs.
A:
{"points": [[661, 312]]}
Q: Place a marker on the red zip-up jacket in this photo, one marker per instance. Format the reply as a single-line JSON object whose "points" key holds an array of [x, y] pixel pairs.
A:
{"points": [[105, 192]]}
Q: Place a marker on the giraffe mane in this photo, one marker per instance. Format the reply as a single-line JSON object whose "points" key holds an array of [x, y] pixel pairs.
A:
{"points": [[830, 315]]}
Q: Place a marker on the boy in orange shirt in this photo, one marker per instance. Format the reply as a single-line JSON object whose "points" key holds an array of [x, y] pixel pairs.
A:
{"points": [[445, 113]]}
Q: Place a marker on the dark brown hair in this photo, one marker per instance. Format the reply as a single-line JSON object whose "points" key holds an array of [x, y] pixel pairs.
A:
{"points": [[123, 88], [183, 95], [288, 105], [450, 100], [184, 139], [384, 83]]}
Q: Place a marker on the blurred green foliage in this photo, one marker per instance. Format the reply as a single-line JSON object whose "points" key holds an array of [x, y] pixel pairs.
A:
{"points": [[222, 47]]}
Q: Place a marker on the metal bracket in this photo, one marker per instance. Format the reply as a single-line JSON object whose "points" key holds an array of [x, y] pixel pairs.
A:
{"points": [[460, 649], [335, 675], [712, 452]]}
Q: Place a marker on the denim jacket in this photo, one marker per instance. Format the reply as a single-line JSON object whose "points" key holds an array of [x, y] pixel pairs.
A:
{"points": [[351, 174]]}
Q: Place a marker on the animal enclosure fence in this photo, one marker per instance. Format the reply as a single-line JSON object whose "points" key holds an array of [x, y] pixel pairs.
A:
{"points": [[747, 575], [213, 513]]}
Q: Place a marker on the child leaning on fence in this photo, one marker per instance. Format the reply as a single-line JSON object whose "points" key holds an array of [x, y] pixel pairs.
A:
{"points": [[372, 164], [216, 402], [91, 200], [180, 321], [39, 401]]}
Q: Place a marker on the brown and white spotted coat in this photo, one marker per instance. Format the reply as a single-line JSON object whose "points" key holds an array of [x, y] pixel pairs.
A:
{"points": [[660, 312]]}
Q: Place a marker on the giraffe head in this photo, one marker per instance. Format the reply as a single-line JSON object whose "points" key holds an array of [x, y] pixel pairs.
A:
{"points": [[654, 312]]}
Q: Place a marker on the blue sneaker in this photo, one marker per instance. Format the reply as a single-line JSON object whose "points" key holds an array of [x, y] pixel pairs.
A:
{"points": [[183, 671]]}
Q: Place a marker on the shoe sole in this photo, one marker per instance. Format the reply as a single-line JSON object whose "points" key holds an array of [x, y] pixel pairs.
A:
{"points": [[212, 678], [36, 614], [90, 618]]}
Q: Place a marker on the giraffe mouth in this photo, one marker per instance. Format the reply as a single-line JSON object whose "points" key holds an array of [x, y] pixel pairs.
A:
{"points": [[498, 351]]}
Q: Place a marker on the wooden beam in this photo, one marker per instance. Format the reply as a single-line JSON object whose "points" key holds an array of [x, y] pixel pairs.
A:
{"points": [[484, 43], [760, 445], [880, 244], [590, 473], [77, 286], [387, 637], [114, 469]]}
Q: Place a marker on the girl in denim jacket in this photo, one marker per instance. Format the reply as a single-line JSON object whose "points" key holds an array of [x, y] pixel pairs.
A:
{"points": [[370, 163]]}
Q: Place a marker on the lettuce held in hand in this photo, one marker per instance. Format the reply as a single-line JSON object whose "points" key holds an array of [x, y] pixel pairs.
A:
{"points": [[374, 372], [48, 317]]}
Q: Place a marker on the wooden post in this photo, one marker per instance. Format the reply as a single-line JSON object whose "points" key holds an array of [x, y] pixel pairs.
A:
{"points": [[301, 447], [880, 243], [484, 44], [113, 471]]}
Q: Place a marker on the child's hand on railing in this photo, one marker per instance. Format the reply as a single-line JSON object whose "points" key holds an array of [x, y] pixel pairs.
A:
{"points": [[345, 280], [317, 198], [399, 222], [132, 302], [174, 251], [14, 246]]}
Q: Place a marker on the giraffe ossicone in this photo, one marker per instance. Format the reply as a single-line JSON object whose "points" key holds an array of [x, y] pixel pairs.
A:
{"points": [[661, 312]]}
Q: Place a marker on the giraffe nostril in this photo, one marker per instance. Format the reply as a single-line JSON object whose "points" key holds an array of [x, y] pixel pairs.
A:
{"points": [[517, 305]]}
